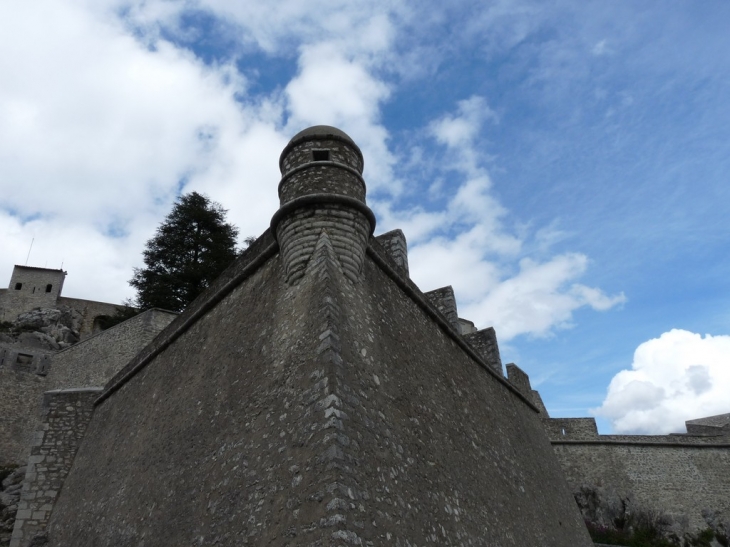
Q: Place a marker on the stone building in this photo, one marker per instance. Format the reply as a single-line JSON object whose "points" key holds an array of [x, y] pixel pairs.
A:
{"points": [[42, 327], [314, 395], [32, 288]]}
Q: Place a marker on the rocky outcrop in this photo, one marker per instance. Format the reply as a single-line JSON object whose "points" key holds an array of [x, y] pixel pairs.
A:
{"points": [[10, 488], [47, 328], [611, 518]]}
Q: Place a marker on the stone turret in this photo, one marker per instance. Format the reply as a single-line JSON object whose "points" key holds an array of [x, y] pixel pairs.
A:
{"points": [[322, 189]]}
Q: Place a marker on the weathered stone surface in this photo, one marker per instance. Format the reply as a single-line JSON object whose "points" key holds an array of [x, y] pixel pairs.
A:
{"points": [[9, 497], [485, 344], [683, 478], [395, 245], [445, 302], [92, 362], [340, 409], [66, 413]]}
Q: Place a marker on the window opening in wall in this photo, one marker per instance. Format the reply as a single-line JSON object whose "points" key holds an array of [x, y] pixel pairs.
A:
{"points": [[24, 361], [49, 287], [563, 432], [321, 155], [33, 291], [18, 286]]}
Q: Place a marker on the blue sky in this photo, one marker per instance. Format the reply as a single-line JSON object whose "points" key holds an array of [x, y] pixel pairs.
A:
{"points": [[562, 164]]}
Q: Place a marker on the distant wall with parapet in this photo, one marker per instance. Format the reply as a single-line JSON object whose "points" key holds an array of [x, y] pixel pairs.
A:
{"points": [[90, 310], [682, 476], [26, 374], [93, 361]]}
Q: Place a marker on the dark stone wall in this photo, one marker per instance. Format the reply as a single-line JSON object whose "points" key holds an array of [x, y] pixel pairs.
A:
{"points": [[396, 248], [484, 343], [684, 478], [93, 361], [20, 400], [66, 414], [324, 413], [443, 300]]}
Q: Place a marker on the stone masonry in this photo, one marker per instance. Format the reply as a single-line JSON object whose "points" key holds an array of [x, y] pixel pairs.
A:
{"points": [[66, 413], [89, 363], [313, 395]]}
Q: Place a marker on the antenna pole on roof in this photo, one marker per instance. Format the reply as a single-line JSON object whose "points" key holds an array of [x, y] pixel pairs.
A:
{"points": [[29, 250]]}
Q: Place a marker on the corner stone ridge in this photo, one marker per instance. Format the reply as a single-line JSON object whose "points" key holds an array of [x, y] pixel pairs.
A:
{"points": [[323, 252]]}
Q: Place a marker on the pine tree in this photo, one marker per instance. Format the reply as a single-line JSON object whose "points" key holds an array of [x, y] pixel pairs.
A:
{"points": [[190, 249]]}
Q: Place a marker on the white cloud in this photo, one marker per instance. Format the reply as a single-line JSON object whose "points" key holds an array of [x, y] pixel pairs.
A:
{"points": [[333, 89], [104, 121], [677, 377], [467, 245], [462, 128], [99, 131], [540, 298], [102, 125]]}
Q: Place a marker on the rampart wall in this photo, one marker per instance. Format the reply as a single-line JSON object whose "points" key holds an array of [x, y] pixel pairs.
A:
{"points": [[346, 414], [66, 414], [20, 398], [93, 361], [89, 363], [682, 476], [90, 310]]}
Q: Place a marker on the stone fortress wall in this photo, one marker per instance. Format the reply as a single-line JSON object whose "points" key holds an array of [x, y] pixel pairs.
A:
{"points": [[315, 396], [65, 416], [31, 363], [93, 361], [89, 363], [683, 476]]}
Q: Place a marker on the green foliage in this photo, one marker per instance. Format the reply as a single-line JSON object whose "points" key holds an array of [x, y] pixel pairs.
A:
{"points": [[631, 537], [122, 313], [647, 530], [190, 249], [6, 471], [247, 242]]}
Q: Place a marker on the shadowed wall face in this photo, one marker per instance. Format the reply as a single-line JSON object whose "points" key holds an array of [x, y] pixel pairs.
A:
{"points": [[311, 399], [314, 413], [66, 414]]}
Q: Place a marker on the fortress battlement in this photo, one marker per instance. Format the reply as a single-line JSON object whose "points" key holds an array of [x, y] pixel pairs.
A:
{"points": [[314, 395]]}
